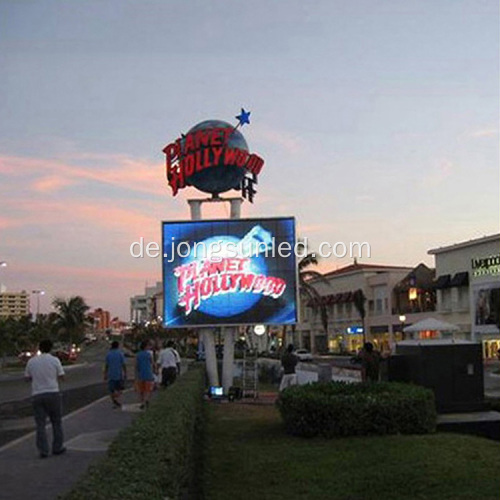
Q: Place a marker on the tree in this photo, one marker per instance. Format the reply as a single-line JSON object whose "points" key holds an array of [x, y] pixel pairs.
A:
{"points": [[306, 289], [359, 300], [71, 318]]}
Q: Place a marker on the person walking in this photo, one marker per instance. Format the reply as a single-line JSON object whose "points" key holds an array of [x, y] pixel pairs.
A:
{"points": [[177, 358], [288, 362], [44, 372], [144, 374], [370, 363], [167, 364], [115, 373]]}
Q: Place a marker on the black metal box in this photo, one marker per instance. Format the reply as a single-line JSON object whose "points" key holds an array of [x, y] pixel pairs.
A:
{"points": [[452, 369]]}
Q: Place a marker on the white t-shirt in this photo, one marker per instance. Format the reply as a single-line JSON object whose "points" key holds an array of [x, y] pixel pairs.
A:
{"points": [[167, 358], [44, 371]]}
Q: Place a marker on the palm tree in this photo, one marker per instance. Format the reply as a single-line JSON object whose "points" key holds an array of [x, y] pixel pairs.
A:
{"points": [[306, 289], [71, 316], [359, 300]]}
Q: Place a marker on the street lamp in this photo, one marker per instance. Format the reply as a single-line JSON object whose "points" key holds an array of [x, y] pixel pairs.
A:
{"points": [[38, 293], [402, 319]]}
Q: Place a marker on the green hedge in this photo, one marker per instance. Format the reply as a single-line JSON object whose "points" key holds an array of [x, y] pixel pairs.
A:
{"points": [[155, 457], [343, 409]]}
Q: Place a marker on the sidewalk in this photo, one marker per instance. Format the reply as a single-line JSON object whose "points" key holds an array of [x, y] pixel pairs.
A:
{"points": [[88, 433]]}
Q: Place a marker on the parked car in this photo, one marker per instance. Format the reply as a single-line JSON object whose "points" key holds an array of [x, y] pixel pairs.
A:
{"points": [[67, 355], [25, 356], [303, 355]]}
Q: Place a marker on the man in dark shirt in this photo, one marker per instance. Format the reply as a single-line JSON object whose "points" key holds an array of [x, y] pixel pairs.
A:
{"points": [[288, 362], [370, 363]]}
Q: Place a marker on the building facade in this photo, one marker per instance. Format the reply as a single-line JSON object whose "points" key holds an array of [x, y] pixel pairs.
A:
{"points": [[468, 289], [101, 319], [148, 306], [389, 292], [14, 304]]}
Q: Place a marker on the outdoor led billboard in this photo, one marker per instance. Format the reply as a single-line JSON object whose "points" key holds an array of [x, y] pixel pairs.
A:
{"points": [[229, 272]]}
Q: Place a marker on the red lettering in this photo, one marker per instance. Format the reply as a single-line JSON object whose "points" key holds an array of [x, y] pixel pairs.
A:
{"points": [[241, 157], [230, 156], [260, 283], [206, 288], [176, 179], [255, 164], [217, 152], [202, 138], [191, 298], [216, 137], [246, 281], [184, 274], [189, 163], [189, 143], [198, 164]]}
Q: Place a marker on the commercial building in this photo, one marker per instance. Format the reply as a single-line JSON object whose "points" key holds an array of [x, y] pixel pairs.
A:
{"points": [[391, 297], [468, 289], [148, 306], [14, 304]]}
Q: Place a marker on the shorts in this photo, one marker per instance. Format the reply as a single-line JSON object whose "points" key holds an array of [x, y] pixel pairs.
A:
{"points": [[116, 386], [143, 386]]}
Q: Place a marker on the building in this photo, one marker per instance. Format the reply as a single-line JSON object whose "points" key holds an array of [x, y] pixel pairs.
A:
{"points": [[14, 304], [468, 289], [149, 306], [390, 293], [101, 319]]}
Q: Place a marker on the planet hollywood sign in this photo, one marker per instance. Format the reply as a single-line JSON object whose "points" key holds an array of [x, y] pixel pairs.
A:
{"points": [[213, 157]]}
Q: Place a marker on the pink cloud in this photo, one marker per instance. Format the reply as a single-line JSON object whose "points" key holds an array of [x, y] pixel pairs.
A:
{"points": [[119, 171], [51, 184], [485, 133]]}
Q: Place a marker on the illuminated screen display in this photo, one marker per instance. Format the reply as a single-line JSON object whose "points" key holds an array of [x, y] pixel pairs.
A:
{"points": [[229, 272]]}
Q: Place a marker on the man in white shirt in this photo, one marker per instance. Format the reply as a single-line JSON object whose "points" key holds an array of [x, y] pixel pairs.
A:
{"points": [[168, 363], [44, 372]]}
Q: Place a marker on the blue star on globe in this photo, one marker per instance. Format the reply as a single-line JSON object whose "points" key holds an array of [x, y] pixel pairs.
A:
{"points": [[243, 117]]}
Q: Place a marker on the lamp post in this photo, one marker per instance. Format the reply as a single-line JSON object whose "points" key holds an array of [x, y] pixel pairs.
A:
{"points": [[402, 319], [38, 293]]}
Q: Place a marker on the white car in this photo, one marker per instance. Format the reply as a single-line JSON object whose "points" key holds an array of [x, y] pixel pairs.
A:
{"points": [[303, 355]]}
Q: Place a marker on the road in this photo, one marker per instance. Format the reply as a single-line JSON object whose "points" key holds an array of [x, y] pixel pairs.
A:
{"points": [[87, 371]]}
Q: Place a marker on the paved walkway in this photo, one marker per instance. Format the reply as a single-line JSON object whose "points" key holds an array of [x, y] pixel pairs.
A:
{"points": [[88, 433]]}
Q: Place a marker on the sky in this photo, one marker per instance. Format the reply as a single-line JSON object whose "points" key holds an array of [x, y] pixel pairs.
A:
{"points": [[378, 122]]}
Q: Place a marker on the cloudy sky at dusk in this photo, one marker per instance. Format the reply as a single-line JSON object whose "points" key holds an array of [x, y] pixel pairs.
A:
{"points": [[377, 120]]}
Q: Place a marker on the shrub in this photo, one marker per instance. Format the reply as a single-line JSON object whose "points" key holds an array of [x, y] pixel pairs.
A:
{"points": [[343, 409], [155, 457]]}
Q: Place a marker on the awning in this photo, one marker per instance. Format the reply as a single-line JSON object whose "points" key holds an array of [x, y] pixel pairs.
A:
{"points": [[443, 281], [460, 279], [431, 324]]}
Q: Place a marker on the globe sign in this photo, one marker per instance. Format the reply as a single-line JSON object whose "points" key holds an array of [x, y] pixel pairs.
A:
{"points": [[223, 305], [219, 178], [213, 157]]}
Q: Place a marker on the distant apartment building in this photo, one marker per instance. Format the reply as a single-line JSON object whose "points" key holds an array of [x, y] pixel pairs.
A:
{"points": [[390, 292], [468, 289], [14, 304], [101, 319]]}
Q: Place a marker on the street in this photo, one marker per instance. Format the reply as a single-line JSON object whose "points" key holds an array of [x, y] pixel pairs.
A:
{"points": [[88, 370]]}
